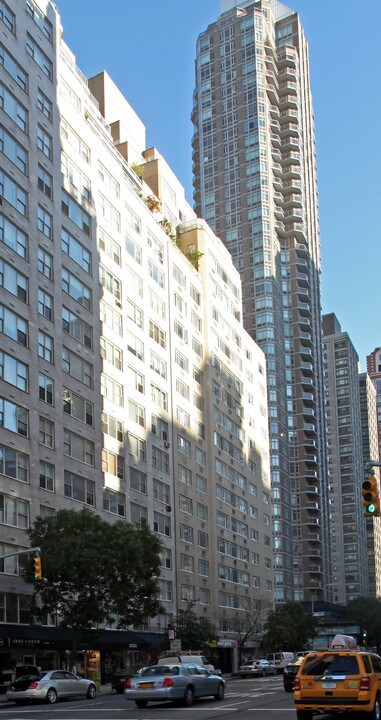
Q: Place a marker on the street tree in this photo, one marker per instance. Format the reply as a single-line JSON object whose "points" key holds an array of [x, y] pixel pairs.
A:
{"points": [[289, 627], [366, 612], [250, 624], [195, 631], [94, 572]]}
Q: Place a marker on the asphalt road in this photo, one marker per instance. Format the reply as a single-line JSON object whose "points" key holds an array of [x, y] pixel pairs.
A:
{"points": [[251, 698]]}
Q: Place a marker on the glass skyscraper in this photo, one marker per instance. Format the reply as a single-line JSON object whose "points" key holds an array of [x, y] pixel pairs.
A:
{"points": [[255, 184]]}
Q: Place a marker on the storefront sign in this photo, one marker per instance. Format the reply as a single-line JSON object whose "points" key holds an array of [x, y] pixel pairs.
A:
{"points": [[226, 643]]}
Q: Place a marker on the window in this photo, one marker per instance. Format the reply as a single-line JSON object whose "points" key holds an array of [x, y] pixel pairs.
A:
{"points": [[158, 365], [178, 276], [202, 539], [76, 289], [132, 219], [196, 321], [183, 417], [187, 563], [160, 459], [203, 568], [112, 390], [160, 427], [108, 280], [109, 213], [68, 93], [135, 379], [14, 512], [165, 590], [180, 331], [135, 346], [46, 476], [46, 389], [44, 142], [159, 397], [201, 484], [79, 488], [114, 502], [13, 193], [13, 371], [200, 456], [77, 368], [40, 19], [13, 237], [136, 413], [77, 328], [155, 273], [186, 533], [183, 446], [161, 524], [156, 245], [13, 150], [46, 432], [112, 426], [161, 491], [108, 180], [77, 407], [186, 504], [45, 222], [134, 313], [44, 104], [184, 475], [113, 464], [111, 353], [45, 347], [188, 593], [75, 212], [138, 480], [134, 250], [181, 360], [156, 304], [76, 251], [13, 326], [74, 140], [111, 318], [7, 17], [45, 263], [44, 181], [138, 513], [76, 177], [45, 304], [182, 388], [14, 464], [157, 334], [39, 56], [195, 295], [137, 447], [14, 109], [202, 512], [110, 247]]}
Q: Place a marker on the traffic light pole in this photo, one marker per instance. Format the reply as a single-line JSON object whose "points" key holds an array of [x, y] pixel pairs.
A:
{"points": [[21, 552]]}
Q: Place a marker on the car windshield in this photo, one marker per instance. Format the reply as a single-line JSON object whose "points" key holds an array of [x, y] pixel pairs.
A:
{"points": [[331, 664], [160, 670]]}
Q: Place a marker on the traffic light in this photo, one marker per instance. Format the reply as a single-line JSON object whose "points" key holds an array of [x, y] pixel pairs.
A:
{"points": [[371, 497], [37, 568]]}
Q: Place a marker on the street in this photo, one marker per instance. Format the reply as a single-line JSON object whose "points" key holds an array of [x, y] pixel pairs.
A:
{"points": [[252, 698]]}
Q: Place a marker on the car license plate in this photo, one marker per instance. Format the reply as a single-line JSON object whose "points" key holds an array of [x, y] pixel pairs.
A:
{"points": [[329, 685], [145, 685]]}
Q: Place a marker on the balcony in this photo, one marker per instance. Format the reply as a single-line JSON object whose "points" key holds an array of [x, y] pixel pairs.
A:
{"points": [[312, 490], [313, 507], [308, 397], [314, 538], [310, 459], [311, 475], [308, 427]]}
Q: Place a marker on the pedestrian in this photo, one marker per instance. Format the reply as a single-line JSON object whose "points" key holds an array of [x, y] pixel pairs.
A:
{"points": [[74, 670]]}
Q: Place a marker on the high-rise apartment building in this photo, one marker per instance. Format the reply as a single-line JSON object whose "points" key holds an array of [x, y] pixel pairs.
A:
{"points": [[255, 184], [370, 452], [346, 463], [373, 366], [127, 381]]}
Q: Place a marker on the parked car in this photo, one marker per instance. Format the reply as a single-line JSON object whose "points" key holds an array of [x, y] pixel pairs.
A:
{"points": [[341, 678], [259, 667], [118, 679], [190, 658], [49, 687], [180, 681], [289, 674]]}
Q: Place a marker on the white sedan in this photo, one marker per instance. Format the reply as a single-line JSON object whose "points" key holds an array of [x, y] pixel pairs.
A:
{"points": [[49, 687], [258, 668]]}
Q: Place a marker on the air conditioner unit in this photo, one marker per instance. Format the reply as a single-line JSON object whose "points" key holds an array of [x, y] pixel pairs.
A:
{"points": [[141, 388], [168, 508], [167, 444]]}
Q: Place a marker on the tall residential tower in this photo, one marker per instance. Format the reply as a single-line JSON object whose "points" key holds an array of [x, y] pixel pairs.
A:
{"points": [[255, 184]]}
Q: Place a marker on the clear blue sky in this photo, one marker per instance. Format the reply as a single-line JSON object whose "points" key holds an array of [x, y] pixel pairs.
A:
{"points": [[148, 48]]}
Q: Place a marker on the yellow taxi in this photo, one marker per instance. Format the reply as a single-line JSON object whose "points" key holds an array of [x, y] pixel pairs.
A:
{"points": [[342, 679]]}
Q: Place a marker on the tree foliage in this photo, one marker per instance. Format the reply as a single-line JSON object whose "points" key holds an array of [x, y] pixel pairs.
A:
{"points": [[95, 572], [195, 631], [366, 612], [289, 627]]}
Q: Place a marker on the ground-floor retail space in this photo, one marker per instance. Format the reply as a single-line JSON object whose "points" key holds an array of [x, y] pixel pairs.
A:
{"points": [[96, 654]]}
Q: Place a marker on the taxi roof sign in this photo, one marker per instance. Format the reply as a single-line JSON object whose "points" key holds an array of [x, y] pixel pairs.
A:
{"points": [[343, 642]]}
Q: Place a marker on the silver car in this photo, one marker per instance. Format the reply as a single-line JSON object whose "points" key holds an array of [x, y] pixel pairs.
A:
{"points": [[175, 681], [257, 667], [49, 687]]}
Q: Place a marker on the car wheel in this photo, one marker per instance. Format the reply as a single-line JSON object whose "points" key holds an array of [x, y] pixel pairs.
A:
{"points": [[376, 712], [220, 694], [188, 697], [141, 703], [303, 715], [51, 696], [91, 692]]}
